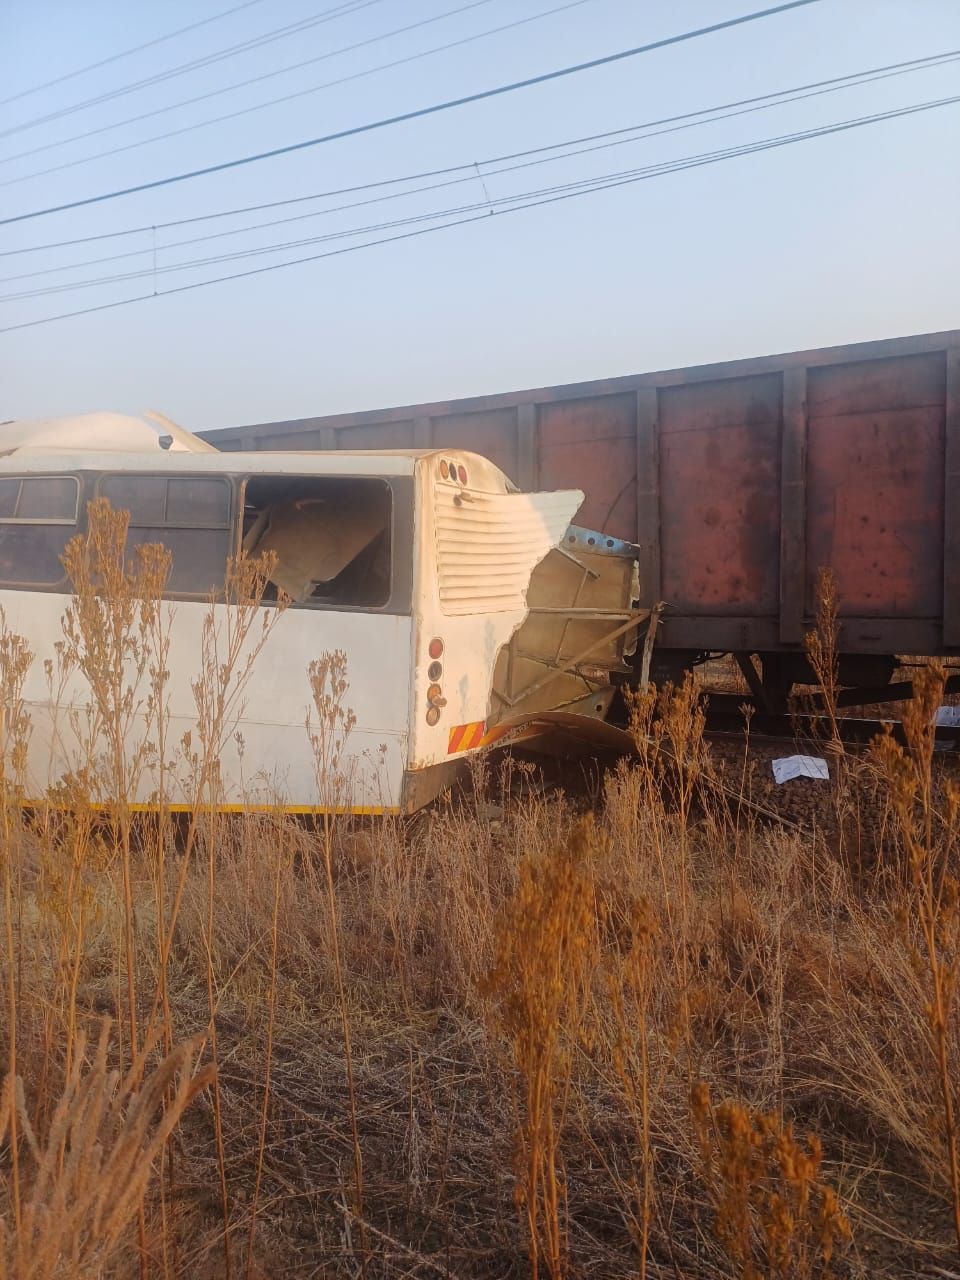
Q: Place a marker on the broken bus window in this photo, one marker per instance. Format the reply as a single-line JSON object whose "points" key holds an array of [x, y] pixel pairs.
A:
{"points": [[331, 536]]}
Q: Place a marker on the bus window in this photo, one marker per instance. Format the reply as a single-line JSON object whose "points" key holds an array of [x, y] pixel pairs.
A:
{"points": [[332, 538], [190, 515], [38, 517]]}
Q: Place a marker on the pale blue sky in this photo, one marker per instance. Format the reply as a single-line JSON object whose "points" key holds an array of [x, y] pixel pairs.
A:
{"points": [[845, 238]]}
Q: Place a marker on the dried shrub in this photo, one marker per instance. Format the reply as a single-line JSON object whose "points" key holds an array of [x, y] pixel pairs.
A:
{"points": [[539, 988], [773, 1215], [88, 1177]]}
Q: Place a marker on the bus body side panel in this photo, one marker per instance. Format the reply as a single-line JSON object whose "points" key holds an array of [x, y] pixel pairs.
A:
{"points": [[267, 757]]}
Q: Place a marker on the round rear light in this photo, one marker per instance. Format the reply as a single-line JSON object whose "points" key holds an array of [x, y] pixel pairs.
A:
{"points": [[435, 671], [444, 468], [433, 715], [462, 473], [434, 693], [436, 647]]}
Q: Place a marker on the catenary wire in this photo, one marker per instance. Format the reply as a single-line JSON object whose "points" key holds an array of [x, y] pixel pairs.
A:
{"points": [[816, 88], [126, 53], [486, 214], [229, 88], [418, 113], [468, 170], [340, 10], [273, 102], [602, 180]]}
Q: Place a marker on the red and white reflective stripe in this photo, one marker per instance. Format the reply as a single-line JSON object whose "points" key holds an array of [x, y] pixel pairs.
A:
{"points": [[464, 737], [467, 737]]}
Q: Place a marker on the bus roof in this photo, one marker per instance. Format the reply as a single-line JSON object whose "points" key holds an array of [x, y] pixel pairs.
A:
{"points": [[151, 442], [362, 462]]}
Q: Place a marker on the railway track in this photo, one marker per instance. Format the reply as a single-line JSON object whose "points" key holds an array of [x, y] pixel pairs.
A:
{"points": [[726, 718]]}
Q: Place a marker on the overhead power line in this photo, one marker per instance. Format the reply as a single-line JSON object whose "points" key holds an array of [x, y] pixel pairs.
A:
{"points": [[272, 102], [340, 10], [758, 102], [492, 204], [468, 171], [126, 53], [558, 194], [419, 113]]}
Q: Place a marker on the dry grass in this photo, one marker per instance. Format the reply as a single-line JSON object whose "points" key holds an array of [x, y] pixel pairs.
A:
{"points": [[669, 1039]]}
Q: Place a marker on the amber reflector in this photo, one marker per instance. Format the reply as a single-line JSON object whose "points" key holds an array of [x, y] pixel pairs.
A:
{"points": [[444, 469]]}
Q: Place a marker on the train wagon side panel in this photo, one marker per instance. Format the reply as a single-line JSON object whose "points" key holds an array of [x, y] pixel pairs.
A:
{"points": [[875, 485], [738, 482]]}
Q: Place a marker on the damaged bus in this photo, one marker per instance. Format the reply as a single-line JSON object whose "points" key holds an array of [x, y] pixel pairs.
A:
{"points": [[467, 610]]}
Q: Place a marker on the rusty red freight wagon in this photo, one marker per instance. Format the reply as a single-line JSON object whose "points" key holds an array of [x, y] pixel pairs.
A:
{"points": [[737, 482]]}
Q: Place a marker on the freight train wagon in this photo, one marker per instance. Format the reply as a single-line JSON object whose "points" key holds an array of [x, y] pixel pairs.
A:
{"points": [[738, 482]]}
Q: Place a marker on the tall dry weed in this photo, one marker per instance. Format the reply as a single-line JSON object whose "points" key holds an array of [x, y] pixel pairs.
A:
{"points": [[822, 646], [329, 734], [87, 1178], [629, 991], [15, 661], [773, 1215], [932, 916], [107, 628], [539, 986]]}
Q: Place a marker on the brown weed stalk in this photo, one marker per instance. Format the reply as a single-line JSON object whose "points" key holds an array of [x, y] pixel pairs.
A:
{"points": [[773, 1216], [89, 1176], [328, 735], [927, 837], [15, 661], [630, 990], [539, 988], [235, 631], [107, 629]]}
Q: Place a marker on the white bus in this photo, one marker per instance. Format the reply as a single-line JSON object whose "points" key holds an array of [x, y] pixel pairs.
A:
{"points": [[418, 565]]}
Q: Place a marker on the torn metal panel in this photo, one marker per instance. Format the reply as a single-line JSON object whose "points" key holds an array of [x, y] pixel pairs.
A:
{"points": [[483, 541], [488, 544], [573, 727], [582, 619]]}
